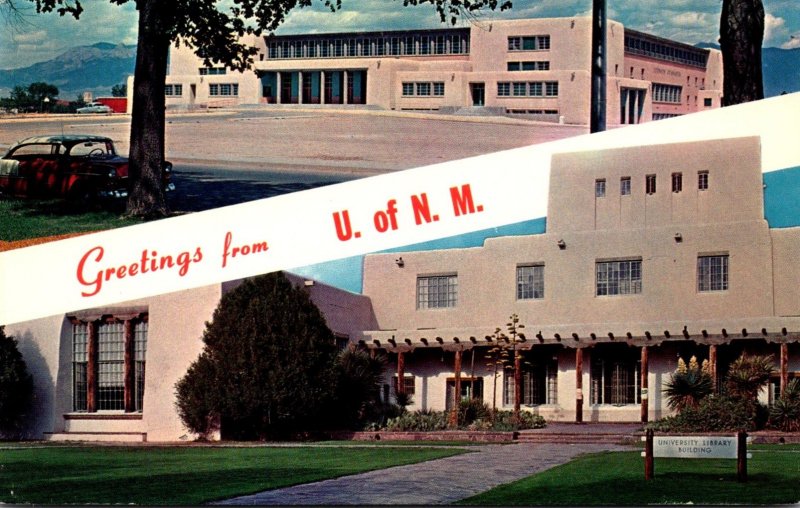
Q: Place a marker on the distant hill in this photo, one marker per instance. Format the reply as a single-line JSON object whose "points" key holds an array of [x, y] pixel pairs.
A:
{"points": [[98, 67], [781, 69], [94, 68]]}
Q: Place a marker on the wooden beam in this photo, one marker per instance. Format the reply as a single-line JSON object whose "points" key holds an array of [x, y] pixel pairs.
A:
{"points": [[784, 367], [401, 366], [456, 390], [712, 365]]}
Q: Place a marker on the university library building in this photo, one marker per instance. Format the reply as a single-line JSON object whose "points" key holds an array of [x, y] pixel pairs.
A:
{"points": [[647, 255], [540, 68]]}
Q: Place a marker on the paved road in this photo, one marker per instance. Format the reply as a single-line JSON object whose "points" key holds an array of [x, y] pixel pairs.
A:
{"points": [[441, 481]]}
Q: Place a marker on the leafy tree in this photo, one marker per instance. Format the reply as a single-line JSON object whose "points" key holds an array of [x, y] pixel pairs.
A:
{"points": [[38, 91], [214, 30], [16, 386], [688, 385], [120, 90], [268, 364], [741, 36]]}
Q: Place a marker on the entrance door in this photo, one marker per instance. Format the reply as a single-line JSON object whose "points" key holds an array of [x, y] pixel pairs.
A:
{"points": [[478, 91]]}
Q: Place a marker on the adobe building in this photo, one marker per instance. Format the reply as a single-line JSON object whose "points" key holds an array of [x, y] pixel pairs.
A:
{"points": [[539, 68], [648, 254]]}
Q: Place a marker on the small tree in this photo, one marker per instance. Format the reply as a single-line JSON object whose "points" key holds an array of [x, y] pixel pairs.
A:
{"points": [[120, 90], [358, 387], [748, 375], [688, 385], [16, 386], [497, 359], [268, 365], [785, 413]]}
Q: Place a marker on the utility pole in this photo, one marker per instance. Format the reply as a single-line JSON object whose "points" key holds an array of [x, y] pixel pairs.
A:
{"points": [[599, 56]]}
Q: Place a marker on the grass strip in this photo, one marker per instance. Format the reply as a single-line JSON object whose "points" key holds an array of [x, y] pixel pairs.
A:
{"points": [[617, 478], [181, 475], [22, 219]]}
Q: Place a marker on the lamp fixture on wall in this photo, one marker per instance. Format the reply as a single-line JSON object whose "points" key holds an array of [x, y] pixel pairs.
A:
{"points": [[562, 244], [678, 237], [400, 262]]}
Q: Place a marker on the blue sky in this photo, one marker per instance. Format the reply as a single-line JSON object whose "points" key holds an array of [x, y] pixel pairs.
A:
{"points": [[40, 37]]}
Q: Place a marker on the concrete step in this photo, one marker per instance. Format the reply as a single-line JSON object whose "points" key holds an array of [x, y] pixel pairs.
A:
{"points": [[549, 437], [117, 437]]}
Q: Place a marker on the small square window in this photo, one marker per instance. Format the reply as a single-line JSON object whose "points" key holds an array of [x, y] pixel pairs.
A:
{"points": [[677, 182], [625, 186], [600, 188], [702, 180]]}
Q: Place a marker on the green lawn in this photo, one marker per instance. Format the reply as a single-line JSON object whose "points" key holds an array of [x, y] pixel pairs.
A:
{"points": [[618, 479], [181, 475], [21, 219]]}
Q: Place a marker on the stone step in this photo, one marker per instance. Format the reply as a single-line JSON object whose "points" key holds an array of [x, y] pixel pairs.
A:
{"points": [[549, 437]]}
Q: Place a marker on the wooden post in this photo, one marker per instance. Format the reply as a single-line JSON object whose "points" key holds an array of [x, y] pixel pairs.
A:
{"points": [[712, 365], [456, 390], [741, 457], [784, 367], [401, 368], [578, 385], [645, 372], [648, 455]]}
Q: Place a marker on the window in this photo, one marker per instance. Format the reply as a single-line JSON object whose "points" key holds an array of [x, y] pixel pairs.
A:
{"points": [[408, 384], [471, 388], [712, 273], [677, 182], [538, 383], [520, 89], [530, 282], [173, 90], [532, 43], [223, 89], [650, 184], [408, 88], [108, 364], [551, 88], [536, 89], [667, 93], [504, 89], [423, 89], [625, 186], [615, 376], [702, 180], [528, 66], [600, 188], [438, 89], [619, 277], [708, 102], [437, 291], [214, 71]]}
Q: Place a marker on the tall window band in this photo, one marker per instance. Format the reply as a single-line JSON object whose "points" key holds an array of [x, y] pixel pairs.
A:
{"points": [[108, 363]]}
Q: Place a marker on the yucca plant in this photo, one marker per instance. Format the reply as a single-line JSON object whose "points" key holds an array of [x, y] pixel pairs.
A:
{"points": [[785, 413], [688, 385], [747, 375]]}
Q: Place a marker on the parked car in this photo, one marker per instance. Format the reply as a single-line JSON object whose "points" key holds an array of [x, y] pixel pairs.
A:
{"points": [[78, 167], [95, 107]]}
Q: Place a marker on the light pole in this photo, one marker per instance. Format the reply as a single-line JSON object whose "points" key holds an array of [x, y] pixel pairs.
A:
{"points": [[45, 102], [597, 122]]}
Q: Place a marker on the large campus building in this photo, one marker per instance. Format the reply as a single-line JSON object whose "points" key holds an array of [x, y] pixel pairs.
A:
{"points": [[647, 255], [540, 68]]}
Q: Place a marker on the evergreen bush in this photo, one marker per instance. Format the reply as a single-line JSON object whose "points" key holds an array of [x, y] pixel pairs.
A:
{"points": [[16, 387]]}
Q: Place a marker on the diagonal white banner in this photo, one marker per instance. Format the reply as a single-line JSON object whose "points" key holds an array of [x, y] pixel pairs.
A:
{"points": [[343, 220]]}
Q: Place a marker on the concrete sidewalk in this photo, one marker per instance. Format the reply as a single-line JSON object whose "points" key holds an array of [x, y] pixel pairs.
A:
{"points": [[440, 481]]}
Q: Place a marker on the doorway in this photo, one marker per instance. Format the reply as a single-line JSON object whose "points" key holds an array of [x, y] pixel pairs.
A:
{"points": [[478, 91]]}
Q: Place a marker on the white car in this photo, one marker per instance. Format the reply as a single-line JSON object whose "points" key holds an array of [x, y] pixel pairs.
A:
{"points": [[95, 107]]}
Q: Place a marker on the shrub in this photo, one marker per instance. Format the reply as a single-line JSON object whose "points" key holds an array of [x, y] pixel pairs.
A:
{"points": [[268, 365], [419, 421], [715, 413], [785, 413], [688, 385], [16, 387], [505, 421], [357, 400], [473, 415]]}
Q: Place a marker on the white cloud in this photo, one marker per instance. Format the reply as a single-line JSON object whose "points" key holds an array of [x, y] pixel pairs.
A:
{"points": [[774, 30], [691, 19], [792, 43]]}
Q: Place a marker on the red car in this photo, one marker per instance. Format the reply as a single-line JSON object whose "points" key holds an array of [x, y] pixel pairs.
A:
{"points": [[73, 166]]}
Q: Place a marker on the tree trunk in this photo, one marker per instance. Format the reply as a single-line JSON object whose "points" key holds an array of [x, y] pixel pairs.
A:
{"points": [[145, 193], [741, 34]]}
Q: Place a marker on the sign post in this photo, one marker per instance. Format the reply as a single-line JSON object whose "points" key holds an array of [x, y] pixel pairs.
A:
{"points": [[696, 447]]}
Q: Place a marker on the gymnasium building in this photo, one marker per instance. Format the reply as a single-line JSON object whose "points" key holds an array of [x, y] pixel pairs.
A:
{"points": [[539, 68], [647, 255]]}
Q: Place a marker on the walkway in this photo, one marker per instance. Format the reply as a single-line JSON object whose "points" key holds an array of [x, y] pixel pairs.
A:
{"points": [[441, 481]]}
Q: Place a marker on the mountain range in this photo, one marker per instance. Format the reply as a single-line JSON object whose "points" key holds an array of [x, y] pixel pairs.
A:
{"points": [[98, 67]]}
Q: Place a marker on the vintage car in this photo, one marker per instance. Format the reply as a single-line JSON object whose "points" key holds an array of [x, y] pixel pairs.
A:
{"points": [[77, 167], [95, 107]]}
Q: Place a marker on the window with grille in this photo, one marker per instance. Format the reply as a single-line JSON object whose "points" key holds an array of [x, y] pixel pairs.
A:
{"points": [[108, 364], [438, 88], [504, 89], [615, 378], [538, 383], [600, 188], [677, 182], [408, 88], [408, 385], [650, 184], [618, 277], [437, 291], [530, 282], [712, 273]]}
